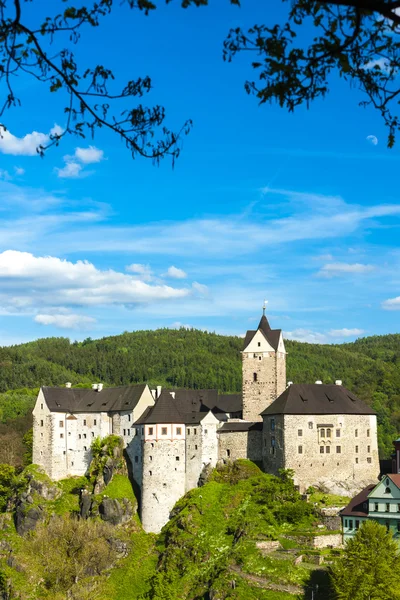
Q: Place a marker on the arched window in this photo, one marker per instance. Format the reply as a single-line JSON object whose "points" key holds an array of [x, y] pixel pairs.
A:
{"points": [[254, 376], [322, 432], [328, 433], [387, 490]]}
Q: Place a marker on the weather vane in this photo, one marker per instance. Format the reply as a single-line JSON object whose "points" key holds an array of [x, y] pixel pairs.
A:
{"points": [[265, 306]]}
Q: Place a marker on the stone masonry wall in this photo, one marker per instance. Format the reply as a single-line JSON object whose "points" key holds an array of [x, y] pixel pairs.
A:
{"points": [[344, 461], [163, 481], [273, 444], [194, 463], [259, 383], [240, 444], [42, 450]]}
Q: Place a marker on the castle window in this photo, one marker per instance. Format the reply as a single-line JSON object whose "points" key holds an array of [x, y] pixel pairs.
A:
{"points": [[272, 424], [228, 453], [137, 430], [356, 433], [84, 421], [387, 507], [299, 432], [322, 432], [150, 473], [179, 431], [124, 431], [92, 433], [337, 432], [356, 461], [64, 452], [194, 431], [164, 485], [321, 449], [328, 433], [195, 447], [260, 357], [84, 436], [128, 432], [338, 449], [94, 421], [328, 450], [41, 435], [176, 457], [69, 433], [129, 418], [259, 344], [150, 458], [188, 431], [152, 445], [356, 449], [61, 435], [41, 423], [367, 432], [368, 449], [79, 436], [310, 425], [151, 430], [273, 441], [376, 507], [136, 459], [300, 449], [41, 406], [85, 448], [164, 431], [345, 522], [254, 376]]}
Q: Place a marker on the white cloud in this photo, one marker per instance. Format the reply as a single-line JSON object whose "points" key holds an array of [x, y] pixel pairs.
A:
{"points": [[143, 272], [372, 139], [201, 289], [378, 63], [343, 333], [32, 282], [337, 269], [176, 273], [72, 170], [306, 335], [19, 171], [5, 175], [89, 155], [65, 321], [27, 145], [391, 304]]}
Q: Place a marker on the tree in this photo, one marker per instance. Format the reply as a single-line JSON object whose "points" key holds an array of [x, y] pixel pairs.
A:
{"points": [[357, 38], [370, 567]]}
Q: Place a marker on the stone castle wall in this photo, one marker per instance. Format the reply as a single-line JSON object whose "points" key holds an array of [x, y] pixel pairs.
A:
{"points": [[163, 481], [264, 379], [338, 452], [240, 444]]}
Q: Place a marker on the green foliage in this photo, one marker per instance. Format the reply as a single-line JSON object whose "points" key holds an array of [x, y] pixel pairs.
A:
{"points": [[370, 567], [8, 482], [233, 472], [28, 444], [119, 487]]}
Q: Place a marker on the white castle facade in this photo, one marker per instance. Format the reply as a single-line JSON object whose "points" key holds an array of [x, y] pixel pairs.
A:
{"points": [[323, 432]]}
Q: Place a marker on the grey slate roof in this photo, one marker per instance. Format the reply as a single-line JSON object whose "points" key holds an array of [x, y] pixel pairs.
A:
{"points": [[358, 506], [190, 406], [317, 399], [75, 400], [242, 426], [271, 335]]}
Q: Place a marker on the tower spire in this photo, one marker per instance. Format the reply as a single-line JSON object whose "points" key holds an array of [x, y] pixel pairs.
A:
{"points": [[264, 307]]}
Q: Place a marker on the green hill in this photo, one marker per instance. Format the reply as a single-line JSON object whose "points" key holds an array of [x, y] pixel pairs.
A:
{"points": [[196, 359]]}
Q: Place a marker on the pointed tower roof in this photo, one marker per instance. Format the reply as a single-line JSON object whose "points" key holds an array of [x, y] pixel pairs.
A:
{"points": [[271, 335]]}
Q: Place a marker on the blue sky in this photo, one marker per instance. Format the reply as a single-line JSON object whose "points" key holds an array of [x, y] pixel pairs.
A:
{"points": [[299, 209]]}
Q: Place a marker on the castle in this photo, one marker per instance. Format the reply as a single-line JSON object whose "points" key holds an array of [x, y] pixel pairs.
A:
{"points": [[323, 432]]}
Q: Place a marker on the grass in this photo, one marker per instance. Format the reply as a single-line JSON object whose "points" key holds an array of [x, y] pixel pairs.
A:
{"points": [[119, 487], [326, 500]]}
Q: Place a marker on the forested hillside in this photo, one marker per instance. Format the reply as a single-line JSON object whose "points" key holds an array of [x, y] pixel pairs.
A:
{"points": [[196, 359]]}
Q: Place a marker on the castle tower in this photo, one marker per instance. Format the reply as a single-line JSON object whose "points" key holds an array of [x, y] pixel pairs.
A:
{"points": [[163, 478], [263, 368]]}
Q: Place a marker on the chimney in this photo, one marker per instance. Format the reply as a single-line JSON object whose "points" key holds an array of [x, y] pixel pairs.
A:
{"points": [[289, 383], [319, 382], [68, 384], [154, 394], [159, 388], [99, 387], [338, 382], [94, 386], [172, 394]]}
